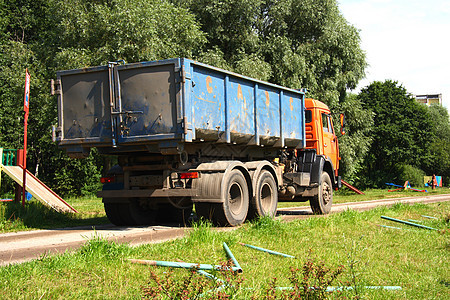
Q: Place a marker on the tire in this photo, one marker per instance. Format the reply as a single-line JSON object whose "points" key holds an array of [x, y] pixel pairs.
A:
{"points": [[114, 212], [321, 203], [141, 214], [233, 211], [266, 197], [129, 213], [205, 210], [167, 213]]}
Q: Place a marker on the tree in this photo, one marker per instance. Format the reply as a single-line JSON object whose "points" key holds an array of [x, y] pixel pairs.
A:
{"points": [[95, 32], [438, 157], [295, 43], [400, 135], [49, 35], [355, 144]]}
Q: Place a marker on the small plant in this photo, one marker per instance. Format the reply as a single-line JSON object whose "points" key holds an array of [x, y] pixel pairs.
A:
{"points": [[100, 248], [313, 280], [309, 282], [353, 265], [193, 285]]}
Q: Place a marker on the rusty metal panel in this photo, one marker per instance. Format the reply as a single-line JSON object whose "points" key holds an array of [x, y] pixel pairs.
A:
{"points": [[242, 104], [236, 109], [148, 99], [171, 102], [208, 102], [85, 104], [268, 111]]}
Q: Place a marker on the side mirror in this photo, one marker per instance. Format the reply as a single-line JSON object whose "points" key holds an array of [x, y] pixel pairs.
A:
{"points": [[342, 119]]}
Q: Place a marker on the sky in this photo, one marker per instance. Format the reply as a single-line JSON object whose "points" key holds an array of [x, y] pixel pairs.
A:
{"points": [[406, 41]]}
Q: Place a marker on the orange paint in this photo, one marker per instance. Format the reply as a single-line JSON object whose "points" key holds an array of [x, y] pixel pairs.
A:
{"points": [[290, 104], [240, 96], [208, 84], [267, 98]]}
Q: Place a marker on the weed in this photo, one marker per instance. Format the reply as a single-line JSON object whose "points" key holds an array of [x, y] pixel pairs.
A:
{"points": [[193, 286], [354, 267], [312, 281], [102, 249]]}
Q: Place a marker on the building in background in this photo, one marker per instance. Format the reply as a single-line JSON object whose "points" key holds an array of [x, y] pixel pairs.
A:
{"points": [[429, 99]]}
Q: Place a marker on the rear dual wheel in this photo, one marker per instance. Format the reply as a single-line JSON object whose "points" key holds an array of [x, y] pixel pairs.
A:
{"points": [[266, 197], [233, 211]]}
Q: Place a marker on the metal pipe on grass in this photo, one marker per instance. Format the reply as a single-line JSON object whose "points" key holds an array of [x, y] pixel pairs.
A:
{"points": [[341, 288], [408, 223], [206, 274], [430, 217], [385, 226], [172, 264], [231, 256], [267, 250]]}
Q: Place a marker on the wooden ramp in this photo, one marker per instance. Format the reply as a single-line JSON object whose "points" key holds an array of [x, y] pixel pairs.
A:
{"points": [[38, 189]]}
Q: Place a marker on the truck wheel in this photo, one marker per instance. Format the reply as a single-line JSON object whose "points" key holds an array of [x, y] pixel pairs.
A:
{"points": [[205, 210], [170, 214], [321, 203], [129, 214], [114, 212], [266, 199], [233, 211]]}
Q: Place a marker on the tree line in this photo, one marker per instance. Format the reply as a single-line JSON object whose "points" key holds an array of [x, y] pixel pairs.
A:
{"points": [[294, 43]]}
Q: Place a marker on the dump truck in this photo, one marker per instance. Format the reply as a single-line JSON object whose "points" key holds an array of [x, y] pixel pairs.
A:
{"points": [[187, 134]]}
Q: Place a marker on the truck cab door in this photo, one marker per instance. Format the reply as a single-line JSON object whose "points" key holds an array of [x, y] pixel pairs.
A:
{"points": [[330, 144]]}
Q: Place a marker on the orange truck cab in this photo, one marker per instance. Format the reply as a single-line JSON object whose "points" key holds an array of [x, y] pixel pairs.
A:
{"points": [[318, 161], [320, 133]]}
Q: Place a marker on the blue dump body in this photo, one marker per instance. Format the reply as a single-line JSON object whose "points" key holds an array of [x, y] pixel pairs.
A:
{"points": [[173, 102]]}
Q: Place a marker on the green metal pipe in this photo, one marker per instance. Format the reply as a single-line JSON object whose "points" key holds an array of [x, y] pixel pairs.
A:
{"points": [[411, 220], [206, 274], [385, 226], [430, 217], [231, 256], [172, 264], [341, 288], [210, 276], [267, 250], [408, 223]]}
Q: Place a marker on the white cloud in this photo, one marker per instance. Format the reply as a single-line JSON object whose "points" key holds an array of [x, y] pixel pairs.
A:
{"points": [[405, 40]]}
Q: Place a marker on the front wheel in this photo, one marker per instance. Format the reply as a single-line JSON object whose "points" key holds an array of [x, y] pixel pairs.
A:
{"points": [[321, 203]]}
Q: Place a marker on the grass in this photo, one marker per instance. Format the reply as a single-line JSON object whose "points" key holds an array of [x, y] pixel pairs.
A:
{"points": [[415, 259], [344, 195], [35, 215], [13, 217]]}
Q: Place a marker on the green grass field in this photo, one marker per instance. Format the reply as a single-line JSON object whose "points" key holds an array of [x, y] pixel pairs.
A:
{"points": [[13, 217], [35, 215], [414, 259]]}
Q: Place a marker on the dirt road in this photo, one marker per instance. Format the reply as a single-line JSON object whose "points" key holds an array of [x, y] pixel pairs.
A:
{"points": [[25, 246]]}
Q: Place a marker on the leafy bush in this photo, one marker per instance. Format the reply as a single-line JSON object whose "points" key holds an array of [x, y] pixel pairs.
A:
{"points": [[412, 174]]}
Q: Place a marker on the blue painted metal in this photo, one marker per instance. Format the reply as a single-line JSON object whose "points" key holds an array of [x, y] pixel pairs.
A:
{"points": [[408, 223], [391, 227], [177, 100], [266, 250], [342, 288], [231, 256], [430, 217], [182, 265]]}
